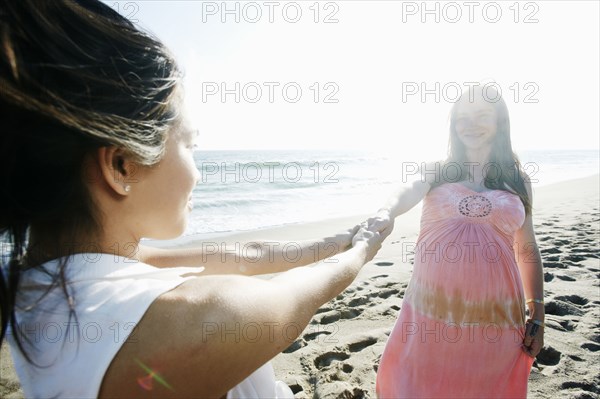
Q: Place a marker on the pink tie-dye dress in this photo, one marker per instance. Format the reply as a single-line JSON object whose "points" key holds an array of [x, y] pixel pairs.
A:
{"points": [[462, 322]]}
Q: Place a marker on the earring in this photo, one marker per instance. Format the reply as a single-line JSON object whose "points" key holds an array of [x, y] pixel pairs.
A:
{"points": [[127, 188]]}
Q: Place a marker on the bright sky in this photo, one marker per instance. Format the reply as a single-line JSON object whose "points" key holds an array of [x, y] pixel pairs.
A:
{"points": [[377, 68]]}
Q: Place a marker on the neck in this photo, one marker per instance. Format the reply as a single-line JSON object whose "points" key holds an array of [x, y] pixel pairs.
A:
{"points": [[44, 246], [480, 156]]}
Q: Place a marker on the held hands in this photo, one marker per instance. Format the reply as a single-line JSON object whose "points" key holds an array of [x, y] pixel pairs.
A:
{"points": [[370, 241], [372, 232], [343, 240], [348, 238], [381, 222]]}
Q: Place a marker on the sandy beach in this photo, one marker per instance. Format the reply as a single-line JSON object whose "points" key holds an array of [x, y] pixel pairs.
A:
{"points": [[337, 355]]}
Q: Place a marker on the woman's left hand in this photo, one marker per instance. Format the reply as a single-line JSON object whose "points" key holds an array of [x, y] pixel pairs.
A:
{"points": [[534, 339]]}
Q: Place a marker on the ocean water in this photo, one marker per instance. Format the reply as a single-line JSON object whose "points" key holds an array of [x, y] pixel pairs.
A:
{"points": [[244, 190], [247, 190]]}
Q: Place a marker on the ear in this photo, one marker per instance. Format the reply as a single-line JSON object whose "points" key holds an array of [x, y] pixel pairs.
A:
{"points": [[117, 170]]}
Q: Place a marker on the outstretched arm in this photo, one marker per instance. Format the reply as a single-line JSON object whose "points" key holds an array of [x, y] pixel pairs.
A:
{"points": [[250, 258], [403, 199], [406, 197], [209, 333]]}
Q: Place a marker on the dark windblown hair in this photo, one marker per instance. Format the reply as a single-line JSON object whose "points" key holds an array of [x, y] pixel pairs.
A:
{"points": [[74, 76], [505, 168]]}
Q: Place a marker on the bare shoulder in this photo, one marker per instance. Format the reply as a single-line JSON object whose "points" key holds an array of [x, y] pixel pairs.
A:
{"points": [[193, 338]]}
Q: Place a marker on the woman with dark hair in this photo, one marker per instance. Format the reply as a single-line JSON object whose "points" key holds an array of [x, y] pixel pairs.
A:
{"points": [[95, 154], [461, 332]]}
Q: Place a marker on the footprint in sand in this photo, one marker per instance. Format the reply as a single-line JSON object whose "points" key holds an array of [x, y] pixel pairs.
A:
{"points": [[548, 277], [334, 316], [568, 325], [592, 347], [384, 264], [555, 265], [361, 300], [548, 356], [362, 344], [324, 309], [574, 299], [575, 258], [559, 324], [347, 368], [564, 278], [560, 308], [325, 359], [584, 385], [315, 335], [297, 344], [341, 372], [550, 250], [385, 284], [387, 293]]}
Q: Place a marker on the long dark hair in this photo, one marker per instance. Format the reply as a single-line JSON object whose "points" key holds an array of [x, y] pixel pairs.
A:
{"points": [[74, 76], [504, 171]]}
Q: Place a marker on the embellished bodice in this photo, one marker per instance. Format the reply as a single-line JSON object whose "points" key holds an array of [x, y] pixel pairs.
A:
{"points": [[454, 202]]}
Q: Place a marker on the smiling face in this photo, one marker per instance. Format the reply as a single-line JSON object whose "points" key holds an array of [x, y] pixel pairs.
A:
{"points": [[475, 122]]}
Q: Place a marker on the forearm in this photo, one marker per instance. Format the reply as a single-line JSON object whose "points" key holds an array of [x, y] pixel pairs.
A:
{"points": [[406, 197], [315, 285], [532, 275], [394, 203], [260, 257], [281, 256]]}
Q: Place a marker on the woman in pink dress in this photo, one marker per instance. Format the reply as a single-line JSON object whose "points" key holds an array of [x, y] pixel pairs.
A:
{"points": [[462, 330]]}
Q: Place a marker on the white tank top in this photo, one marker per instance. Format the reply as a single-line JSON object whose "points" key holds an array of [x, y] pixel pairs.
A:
{"points": [[110, 295]]}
